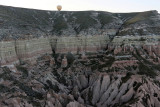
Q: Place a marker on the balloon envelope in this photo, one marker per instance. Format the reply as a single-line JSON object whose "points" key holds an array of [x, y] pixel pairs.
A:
{"points": [[59, 7]]}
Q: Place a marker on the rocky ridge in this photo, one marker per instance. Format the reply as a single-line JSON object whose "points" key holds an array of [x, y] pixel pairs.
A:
{"points": [[26, 32], [79, 59], [79, 84]]}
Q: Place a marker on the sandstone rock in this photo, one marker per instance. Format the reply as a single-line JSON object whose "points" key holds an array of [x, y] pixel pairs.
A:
{"points": [[127, 96], [105, 83], [83, 56], [80, 100], [74, 104], [98, 78], [83, 81], [96, 91], [64, 62]]}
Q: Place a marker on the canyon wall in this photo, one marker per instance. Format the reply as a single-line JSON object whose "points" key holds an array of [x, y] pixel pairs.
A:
{"points": [[26, 34], [113, 59], [80, 44], [12, 52]]}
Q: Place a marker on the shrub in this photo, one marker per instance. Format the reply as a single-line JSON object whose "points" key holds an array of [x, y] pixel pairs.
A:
{"points": [[145, 70], [70, 58], [83, 19], [127, 77], [59, 24], [22, 69], [104, 19]]}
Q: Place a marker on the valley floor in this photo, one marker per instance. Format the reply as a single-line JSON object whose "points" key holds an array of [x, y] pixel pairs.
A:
{"points": [[88, 80]]}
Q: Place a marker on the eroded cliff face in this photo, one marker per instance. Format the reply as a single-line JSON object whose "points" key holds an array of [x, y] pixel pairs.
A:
{"points": [[79, 59], [15, 51], [26, 34], [82, 83]]}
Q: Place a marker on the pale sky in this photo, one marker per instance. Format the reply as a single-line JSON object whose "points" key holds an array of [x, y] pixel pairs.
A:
{"points": [[81, 5]]}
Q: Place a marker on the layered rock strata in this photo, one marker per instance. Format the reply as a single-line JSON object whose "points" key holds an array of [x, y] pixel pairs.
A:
{"points": [[28, 50], [98, 59], [26, 34], [12, 52]]}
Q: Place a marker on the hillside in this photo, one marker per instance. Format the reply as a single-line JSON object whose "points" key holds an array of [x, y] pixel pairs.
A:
{"points": [[23, 23], [79, 58]]}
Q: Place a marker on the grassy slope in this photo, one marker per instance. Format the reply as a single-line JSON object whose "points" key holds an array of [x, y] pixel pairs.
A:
{"points": [[140, 17]]}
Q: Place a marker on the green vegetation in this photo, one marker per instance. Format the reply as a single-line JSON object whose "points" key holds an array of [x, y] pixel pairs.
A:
{"points": [[131, 101], [107, 63], [59, 24], [84, 20], [6, 74], [90, 95], [22, 69], [83, 62], [30, 99], [4, 89], [61, 78], [139, 17], [28, 90], [94, 62], [24, 17], [127, 77], [105, 18], [132, 18], [157, 82], [145, 67], [70, 58], [142, 39], [54, 87], [128, 68], [96, 65], [136, 85], [146, 70]]}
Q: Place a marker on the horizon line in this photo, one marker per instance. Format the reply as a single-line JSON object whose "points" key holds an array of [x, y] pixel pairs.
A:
{"points": [[73, 10]]}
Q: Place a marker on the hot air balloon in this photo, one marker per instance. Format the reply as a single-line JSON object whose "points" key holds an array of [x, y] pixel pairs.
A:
{"points": [[59, 7]]}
